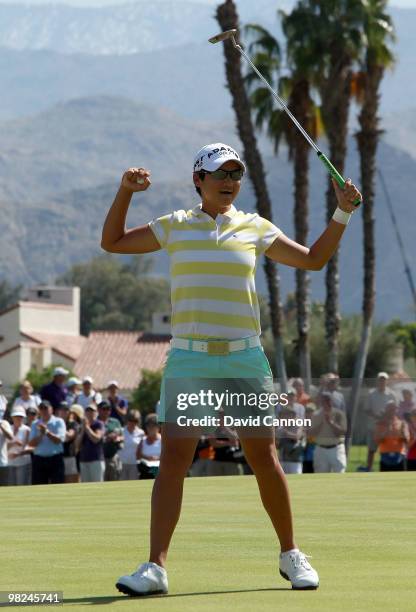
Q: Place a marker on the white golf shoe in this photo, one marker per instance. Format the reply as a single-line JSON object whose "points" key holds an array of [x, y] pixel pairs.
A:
{"points": [[294, 566], [148, 579]]}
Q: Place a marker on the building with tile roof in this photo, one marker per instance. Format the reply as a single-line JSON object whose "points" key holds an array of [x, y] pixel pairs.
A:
{"points": [[41, 330], [121, 355]]}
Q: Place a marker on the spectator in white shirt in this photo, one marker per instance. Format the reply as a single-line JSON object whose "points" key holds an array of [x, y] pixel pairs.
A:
{"points": [[150, 448], [133, 435], [6, 434], [20, 465], [26, 398], [88, 395]]}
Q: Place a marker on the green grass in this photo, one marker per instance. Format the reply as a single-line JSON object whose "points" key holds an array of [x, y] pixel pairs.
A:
{"points": [[360, 529], [358, 456]]}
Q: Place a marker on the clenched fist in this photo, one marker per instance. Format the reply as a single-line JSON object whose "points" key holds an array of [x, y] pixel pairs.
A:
{"points": [[347, 196], [136, 179]]}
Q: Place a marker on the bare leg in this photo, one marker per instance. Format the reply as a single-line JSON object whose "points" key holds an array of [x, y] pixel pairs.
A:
{"points": [[261, 455], [176, 458]]}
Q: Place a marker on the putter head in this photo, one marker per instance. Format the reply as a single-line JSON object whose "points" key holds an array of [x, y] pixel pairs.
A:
{"points": [[223, 36]]}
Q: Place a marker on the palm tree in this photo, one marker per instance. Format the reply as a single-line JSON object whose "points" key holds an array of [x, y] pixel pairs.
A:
{"points": [[228, 19], [296, 89], [330, 34], [378, 56]]}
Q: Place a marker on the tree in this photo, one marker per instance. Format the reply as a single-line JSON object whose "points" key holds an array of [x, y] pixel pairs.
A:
{"points": [[147, 394], [228, 19], [9, 295], [116, 295], [378, 56], [296, 89], [331, 34]]}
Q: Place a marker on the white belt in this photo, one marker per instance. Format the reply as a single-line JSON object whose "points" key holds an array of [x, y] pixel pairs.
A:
{"points": [[215, 347]]}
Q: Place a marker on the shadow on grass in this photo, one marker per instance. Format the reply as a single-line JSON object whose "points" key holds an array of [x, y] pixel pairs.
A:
{"points": [[105, 599]]}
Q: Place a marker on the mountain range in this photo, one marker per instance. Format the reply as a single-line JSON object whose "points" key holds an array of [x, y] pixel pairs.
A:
{"points": [[177, 69], [55, 193], [87, 92]]}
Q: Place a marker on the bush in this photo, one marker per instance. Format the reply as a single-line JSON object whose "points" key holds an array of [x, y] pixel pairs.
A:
{"points": [[147, 394]]}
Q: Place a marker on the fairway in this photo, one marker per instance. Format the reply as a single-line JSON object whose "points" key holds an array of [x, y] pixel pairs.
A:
{"points": [[359, 528]]}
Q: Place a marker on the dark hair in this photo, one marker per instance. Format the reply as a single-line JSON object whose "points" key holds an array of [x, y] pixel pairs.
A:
{"points": [[201, 177]]}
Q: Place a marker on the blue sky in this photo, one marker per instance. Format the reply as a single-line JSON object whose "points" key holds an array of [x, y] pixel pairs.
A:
{"points": [[401, 3]]}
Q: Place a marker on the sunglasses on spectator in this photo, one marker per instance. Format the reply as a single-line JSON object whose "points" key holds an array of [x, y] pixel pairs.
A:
{"points": [[220, 175]]}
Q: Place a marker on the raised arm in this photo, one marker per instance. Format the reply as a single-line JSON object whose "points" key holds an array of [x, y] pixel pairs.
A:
{"points": [[287, 251], [115, 237]]}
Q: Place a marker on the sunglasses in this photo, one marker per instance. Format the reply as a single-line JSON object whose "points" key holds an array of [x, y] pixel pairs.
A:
{"points": [[220, 175]]}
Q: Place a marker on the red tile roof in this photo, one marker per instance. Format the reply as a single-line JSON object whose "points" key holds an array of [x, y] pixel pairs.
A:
{"points": [[108, 355], [69, 346]]}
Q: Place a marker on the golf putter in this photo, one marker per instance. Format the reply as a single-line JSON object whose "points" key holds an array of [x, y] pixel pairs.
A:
{"points": [[229, 35]]}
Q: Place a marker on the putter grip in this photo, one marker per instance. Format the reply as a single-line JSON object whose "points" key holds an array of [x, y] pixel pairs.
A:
{"points": [[334, 173]]}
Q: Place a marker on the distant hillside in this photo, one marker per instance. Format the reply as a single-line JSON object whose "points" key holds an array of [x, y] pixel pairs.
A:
{"points": [[89, 141], [43, 232]]}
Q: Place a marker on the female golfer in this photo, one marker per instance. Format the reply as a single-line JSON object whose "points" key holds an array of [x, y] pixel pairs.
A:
{"points": [[215, 332]]}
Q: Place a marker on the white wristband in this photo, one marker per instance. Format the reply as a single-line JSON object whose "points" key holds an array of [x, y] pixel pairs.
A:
{"points": [[340, 216]]}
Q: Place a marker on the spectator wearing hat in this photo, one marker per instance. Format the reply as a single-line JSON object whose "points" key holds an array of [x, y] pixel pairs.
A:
{"points": [[3, 402], [72, 430], [375, 409], [6, 435], [55, 391], [411, 453], [26, 398], [133, 434], [113, 440], [90, 444], [149, 448], [118, 403], [88, 394], [290, 437], [47, 435], [20, 465], [73, 390], [329, 426], [392, 437], [301, 396], [331, 382]]}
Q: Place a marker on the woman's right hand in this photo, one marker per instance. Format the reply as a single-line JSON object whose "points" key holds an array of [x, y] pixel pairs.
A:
{"points": [[132, 176]]}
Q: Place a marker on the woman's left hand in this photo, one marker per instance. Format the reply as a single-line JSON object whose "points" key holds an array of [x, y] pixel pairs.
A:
{"points": [[347, 196]]}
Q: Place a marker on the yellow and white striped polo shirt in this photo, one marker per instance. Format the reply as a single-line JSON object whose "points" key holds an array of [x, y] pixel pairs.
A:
{"points": [[213, 263]]}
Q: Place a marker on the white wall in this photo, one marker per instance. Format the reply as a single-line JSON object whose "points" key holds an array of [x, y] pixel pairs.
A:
{"points": [[68, 297], [49, 319], [10, 368], [9, 329]]}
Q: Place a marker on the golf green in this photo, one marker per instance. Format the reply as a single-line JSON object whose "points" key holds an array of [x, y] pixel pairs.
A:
{"points": [[359, 528]]}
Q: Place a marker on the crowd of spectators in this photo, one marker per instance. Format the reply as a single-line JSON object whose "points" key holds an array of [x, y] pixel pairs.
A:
{"points": [[71, 432]]}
